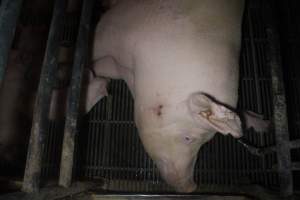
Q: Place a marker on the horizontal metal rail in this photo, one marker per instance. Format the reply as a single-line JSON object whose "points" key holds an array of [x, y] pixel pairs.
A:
{"points": [[261, 151], [170, 197]]}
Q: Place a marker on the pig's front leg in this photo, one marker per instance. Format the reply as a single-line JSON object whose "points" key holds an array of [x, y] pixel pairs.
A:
{"points": [[93, 90], [95, 82], [108, 67], [104, 68]]}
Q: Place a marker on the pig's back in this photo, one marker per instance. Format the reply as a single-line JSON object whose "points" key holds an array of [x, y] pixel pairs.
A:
{"points": [[177, 47]]}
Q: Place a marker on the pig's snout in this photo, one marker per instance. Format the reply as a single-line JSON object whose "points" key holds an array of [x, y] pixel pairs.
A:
{"points": [[186, 187], [180, 179]]}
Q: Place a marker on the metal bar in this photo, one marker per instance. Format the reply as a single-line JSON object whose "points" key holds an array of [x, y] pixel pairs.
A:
{"points": [[9, 14], [261, 151], [168, 197], [67, 158], [252, 20], [258, 151], [279, 107], [295, 166], [52, 192], [294, 144], [40, 122], [255, 62], [265, 194]]}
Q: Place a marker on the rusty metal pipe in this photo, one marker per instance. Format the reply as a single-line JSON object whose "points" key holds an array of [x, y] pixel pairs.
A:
{"points": [[67, 158], [40, 118]]}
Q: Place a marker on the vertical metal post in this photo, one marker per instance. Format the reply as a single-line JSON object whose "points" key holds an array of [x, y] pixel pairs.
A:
{"points": [[9, 13], [279, 106], [67, 159], [254, 58], [40, 122]]}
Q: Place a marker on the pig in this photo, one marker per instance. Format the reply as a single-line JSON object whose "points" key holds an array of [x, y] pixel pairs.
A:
{"points": [[179, 59]]}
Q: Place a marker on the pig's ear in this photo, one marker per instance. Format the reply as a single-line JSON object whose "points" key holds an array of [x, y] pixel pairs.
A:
{"points": [[215, 115]]}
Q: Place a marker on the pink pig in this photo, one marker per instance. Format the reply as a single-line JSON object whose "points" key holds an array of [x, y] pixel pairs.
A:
{"points": [[180, 60]]}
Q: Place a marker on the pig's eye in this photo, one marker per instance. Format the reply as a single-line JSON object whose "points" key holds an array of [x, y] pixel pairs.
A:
{"points": [[188, 139]]}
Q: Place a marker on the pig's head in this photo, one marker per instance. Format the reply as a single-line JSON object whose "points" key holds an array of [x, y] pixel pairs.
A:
{"points": [[182, 129]]}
